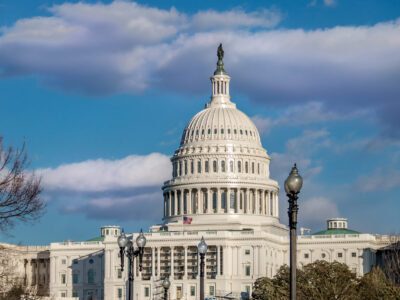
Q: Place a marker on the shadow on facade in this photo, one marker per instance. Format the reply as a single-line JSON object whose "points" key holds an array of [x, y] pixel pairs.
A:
{"points": [[88, 276]]}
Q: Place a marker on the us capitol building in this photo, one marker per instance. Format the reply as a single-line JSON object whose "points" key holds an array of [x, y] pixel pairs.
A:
{"points": [[221, 185]]}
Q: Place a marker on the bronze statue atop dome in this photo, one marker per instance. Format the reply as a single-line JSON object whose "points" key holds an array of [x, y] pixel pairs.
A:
{"points": [[220, 64]]}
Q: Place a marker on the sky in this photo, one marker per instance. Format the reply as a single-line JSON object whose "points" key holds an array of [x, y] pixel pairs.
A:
{"points": [[101, 91]]}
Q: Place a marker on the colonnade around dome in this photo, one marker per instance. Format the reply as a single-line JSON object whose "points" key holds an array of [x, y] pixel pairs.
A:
{"points": [[220, 200]]}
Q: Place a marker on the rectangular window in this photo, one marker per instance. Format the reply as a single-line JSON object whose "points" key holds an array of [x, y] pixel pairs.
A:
{"points": [[63, 278], [119, 273], [119, 293], [192, 290], [199, 166], [186, 167], [223, 200], [353, 254], [75, 278], [75, 294], [215, 166], [64, 261], [206, 166], [75, 261], [178, 292], [146, 291], [192, 166], [248, 290], [231, 166], [305, 255], [340, 254], [223, 166], [247, 251], [211, 290], [63, 294], [247, 270], [214, 199]]}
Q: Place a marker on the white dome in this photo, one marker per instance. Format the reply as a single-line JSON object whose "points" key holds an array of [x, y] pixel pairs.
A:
{"points": [[217, 123]]}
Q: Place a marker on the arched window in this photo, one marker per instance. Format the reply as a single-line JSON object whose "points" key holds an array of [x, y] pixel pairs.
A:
{"points": [[215, 131], [246, 167], [215, 167], [199, 166], [90, 276], [186, 167], [231, 166], [229, 131], [192, 166], [258, 168], [180, 168], [239, 166], [222, 131], [223, 166], [252, 167], [206, 167]]}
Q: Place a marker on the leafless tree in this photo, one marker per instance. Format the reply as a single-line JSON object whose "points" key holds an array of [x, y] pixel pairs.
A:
{"points": [[389, 260], [20, 189]]}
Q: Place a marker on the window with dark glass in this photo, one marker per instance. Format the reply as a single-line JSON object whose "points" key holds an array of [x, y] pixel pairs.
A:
{"points": [[215, 167], [246, 167], [199, 166], [223, 166], [239, 166], [192, 166], [206, 167]]}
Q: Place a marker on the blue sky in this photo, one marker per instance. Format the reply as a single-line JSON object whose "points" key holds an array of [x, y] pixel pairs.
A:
{"points": [[101, 92]]}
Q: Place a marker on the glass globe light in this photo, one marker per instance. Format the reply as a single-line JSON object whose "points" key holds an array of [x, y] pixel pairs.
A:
{"points": [[294, 182], [202, 247], [122, 240], [141, 240], [166, 284]]}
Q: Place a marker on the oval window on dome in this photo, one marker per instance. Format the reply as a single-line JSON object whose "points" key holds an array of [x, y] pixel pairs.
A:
{"points": [[229, 131], [222, 131], [215, 131], [234, 131], [241, 132]]}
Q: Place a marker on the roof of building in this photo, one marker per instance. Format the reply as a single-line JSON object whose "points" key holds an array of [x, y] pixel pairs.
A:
{"points": [[336, 231], [96, 239]]}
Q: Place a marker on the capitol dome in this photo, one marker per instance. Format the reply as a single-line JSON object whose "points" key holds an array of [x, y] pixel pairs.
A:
{"points": [[220, 175]]}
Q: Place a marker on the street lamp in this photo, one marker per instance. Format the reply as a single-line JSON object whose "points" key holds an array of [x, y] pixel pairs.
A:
{"points": [[293, 185], [202, 250], [166, 284], [126, 247]]}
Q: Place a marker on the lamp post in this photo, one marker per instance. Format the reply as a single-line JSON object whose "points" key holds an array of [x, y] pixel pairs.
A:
{"points": [[293, 185], [202, 250], [166, 284], [126, 247]]}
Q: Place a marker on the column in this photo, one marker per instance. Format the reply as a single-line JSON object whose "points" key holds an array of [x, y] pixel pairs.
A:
{"points": [[276, 211], [189, 201], [264, 206], [28, 272], [257, 202], [239, 261], [175, 202], [236, 194], [172, 263], [259, 255], [170, 212], [159, 262], [209, 199], [218, 200], [153, 265], [181, 200], [185, 274], [199, 202]]}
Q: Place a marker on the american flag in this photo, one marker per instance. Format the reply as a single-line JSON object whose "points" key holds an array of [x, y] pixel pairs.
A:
{"points": [[187, 220]]}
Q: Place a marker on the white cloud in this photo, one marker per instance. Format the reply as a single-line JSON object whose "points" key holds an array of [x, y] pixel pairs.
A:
{"points": [[379, 180], [310, 112], [125, 47], [102, 175], [330, 2], [316, 210], [211, 19], [110, 189]]}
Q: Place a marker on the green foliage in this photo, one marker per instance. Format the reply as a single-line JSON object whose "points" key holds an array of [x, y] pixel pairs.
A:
{"points": [[375, 285], [327, 281]]}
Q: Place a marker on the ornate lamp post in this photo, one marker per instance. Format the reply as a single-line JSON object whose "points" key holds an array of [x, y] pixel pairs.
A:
{"points": [[126, 247], [202, 250], [166, 284], [293, 185]]}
